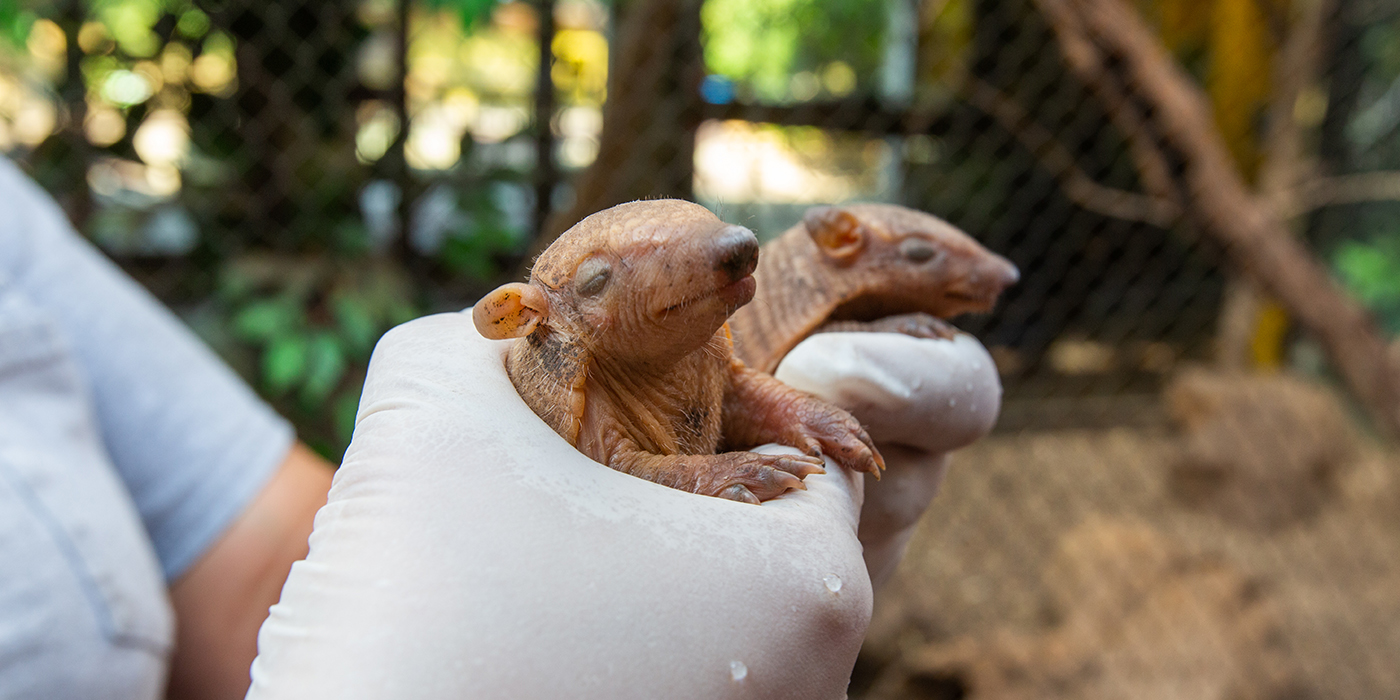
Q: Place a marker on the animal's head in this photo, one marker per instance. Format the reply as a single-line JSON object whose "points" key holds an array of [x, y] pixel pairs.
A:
{"points": [[922, 262], [641, 281]]}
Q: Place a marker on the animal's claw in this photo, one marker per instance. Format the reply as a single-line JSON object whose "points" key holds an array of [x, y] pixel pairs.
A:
{"points": [[740, 493], [801, 466], [765, 477], [788, 481], [841, 437], [877, 460]]}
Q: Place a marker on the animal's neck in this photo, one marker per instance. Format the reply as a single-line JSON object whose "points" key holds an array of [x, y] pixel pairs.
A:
{"points": [[656, 408], [796, 294]]}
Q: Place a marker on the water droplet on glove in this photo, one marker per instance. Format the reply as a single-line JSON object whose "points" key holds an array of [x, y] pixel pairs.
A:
{"points": [[833, 583], [738, 671]]}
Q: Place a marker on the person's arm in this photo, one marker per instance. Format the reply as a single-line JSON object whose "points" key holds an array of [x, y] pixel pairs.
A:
{"points": [[222, 600], [225, 495]]}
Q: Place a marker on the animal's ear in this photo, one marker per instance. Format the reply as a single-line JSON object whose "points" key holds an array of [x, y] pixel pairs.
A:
{"points": [[837, 232], [512, 311]]}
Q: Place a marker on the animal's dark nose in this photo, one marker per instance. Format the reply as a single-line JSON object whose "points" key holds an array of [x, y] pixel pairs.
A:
{"points": [[736, 252]]}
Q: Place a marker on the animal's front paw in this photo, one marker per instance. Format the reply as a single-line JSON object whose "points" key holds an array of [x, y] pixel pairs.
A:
{"points": [[752, 478], [825, 429], [918, 325]]}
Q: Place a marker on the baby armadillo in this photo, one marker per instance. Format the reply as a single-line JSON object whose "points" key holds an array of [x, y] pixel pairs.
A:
{"points": [[865, 267], [623, 349]]}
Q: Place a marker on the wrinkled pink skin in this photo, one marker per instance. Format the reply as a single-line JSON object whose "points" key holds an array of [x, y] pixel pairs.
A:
{"points": [[865, 267], [633, 363], [880, 268]]}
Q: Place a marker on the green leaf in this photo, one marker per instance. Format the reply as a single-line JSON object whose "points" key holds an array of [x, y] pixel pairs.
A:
{"points": [[330, 452], [469, 11], [325, 365], [285, 363], [347, 404], [1371, 272], [473, 250], [262, 320], [15, 23], [351, 237], [402, 312], [467, 256], [357, 326], [193, 23]]}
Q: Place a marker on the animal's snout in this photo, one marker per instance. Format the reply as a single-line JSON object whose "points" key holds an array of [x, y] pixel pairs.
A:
{"points": [[986, 279], [736, 252], [1004, 273]]}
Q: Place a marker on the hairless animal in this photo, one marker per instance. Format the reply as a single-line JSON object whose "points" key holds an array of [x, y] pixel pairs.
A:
{"points": [[622, 347], [865, 267]]}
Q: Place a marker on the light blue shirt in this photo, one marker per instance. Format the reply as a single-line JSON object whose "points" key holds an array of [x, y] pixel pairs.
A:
{"points": [[126, 449]]}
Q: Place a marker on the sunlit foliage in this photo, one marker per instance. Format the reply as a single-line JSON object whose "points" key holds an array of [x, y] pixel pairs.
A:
{"points": [[1371, 270], [793, 50]]}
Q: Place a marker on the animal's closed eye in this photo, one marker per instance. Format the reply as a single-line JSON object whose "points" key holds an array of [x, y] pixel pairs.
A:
{"points": [[917, 250], [592, 277]]}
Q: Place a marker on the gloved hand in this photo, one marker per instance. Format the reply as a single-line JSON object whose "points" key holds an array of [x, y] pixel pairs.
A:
{"points": [[920, 399], [468, 551]]}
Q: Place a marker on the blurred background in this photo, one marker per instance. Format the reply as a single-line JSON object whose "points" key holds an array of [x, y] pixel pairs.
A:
{"points": [[1190, 493]]}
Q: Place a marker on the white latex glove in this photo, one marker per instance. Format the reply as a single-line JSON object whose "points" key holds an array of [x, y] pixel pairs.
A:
{"points": [[919, 399], [468, 551]]}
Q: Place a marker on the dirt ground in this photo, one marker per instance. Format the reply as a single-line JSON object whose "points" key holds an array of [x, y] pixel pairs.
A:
{"points": [[1087, 563]]}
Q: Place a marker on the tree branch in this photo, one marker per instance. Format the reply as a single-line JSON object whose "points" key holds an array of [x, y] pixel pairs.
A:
{"points": [[1382, 186], [1060, 163], [649, 118], [1285, 164], [1296, 66], [1167, 121]]}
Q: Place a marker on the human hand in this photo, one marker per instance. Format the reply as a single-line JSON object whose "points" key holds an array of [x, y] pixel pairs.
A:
{"points": [[919, 399], [469, 551]]}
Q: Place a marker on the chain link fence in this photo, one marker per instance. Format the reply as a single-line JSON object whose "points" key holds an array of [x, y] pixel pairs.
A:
{"points": [[1180, 499]]}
